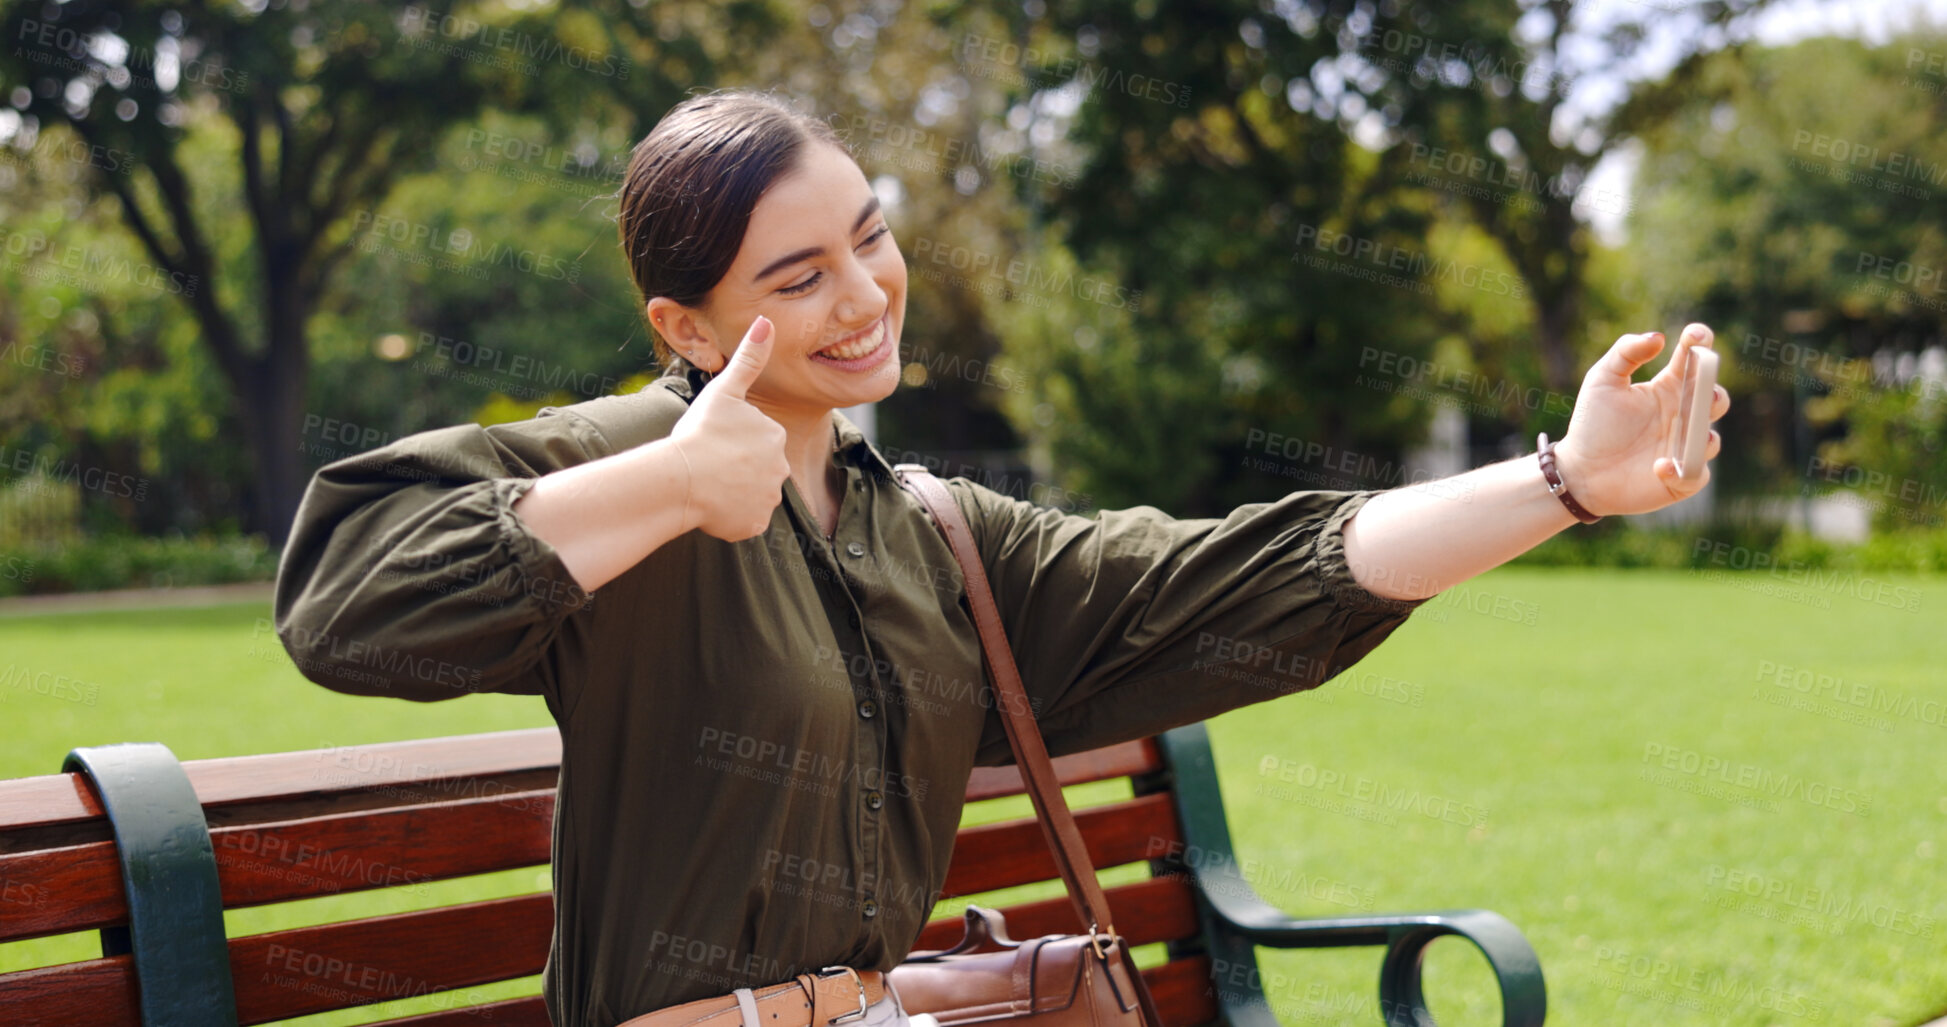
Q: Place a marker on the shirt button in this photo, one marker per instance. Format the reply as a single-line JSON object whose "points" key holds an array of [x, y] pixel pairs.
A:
{"points": [[855, 548], [867, 708], [852, 619], [859, 485], [869, 908], [874, 799]]}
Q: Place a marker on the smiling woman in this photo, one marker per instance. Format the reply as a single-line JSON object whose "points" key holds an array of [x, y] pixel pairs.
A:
{"points": [[682, 252], [819, 263], [778, 669], [738, 207]]}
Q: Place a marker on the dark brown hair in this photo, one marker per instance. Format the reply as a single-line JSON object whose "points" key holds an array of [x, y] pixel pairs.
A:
{"points": [[692, 183]]}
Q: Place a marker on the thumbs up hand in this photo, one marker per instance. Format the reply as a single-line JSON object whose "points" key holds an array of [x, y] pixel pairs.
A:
{"points": [[735, 453]]}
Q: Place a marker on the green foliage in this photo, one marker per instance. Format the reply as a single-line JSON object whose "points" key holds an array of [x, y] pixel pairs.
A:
{"points": [[1906, 551], [245, 148], [1909, 550], [1779, 191], [433, 131], [1621, 547], [39, 510], [541, 313], [1261, 135], [1893, 453], [103, 562], [101, 371], [1193, 204], [1143, 299]]}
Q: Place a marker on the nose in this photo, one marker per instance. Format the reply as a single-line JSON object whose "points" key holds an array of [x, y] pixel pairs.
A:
{"points": [[861, 298]]}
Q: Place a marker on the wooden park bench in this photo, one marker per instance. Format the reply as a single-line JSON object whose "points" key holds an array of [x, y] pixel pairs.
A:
{"points": [[149, 852]]}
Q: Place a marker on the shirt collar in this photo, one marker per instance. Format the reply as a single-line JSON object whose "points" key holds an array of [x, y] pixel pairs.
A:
{"points": [[854, 448], [683, 380]]}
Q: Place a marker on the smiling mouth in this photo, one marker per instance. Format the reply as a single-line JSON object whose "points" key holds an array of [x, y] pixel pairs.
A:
{"points": [[863, 346]]}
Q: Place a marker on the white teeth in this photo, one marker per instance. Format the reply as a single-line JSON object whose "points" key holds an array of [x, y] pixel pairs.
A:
{"points": [[859, 347]]}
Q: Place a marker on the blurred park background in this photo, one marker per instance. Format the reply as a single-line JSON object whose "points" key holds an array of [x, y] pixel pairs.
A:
{"points": [[1190, 254]]}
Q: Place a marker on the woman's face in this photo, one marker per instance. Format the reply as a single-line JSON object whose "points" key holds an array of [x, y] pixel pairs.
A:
{"points": [[819, 261]]}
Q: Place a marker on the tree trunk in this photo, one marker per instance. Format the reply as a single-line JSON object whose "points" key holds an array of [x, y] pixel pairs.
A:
{"points": [[272, 407], [274, 420], [1558, 311], [272, 414]]}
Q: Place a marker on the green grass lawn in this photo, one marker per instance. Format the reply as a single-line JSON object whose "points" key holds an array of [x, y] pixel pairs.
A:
{"points": [[1607, 758]]}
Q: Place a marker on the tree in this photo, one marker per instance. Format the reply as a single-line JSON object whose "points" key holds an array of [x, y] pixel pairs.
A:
{"points": [[304, 116], [1162, 315], [1475, 97], [1792, 181], [891, 83], [1438, 136]]}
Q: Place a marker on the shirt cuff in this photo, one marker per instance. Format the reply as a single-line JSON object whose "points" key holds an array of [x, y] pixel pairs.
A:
{"points": [[543, 577], [1335, 575]]}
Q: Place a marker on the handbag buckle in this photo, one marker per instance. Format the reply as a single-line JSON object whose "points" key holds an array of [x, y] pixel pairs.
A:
{"points": [[1099, 941], [829, 971]]}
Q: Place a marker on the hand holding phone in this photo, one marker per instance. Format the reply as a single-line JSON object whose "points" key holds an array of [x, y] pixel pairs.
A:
{"points": [[1693, 412]]}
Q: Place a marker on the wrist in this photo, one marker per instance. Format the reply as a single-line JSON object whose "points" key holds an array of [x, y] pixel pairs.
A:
{"points": [[1560, 473], [680, 475], [1568, 464]]}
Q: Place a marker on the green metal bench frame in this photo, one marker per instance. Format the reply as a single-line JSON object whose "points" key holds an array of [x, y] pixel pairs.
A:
{"points": [[1236, 920], [175, 929]]}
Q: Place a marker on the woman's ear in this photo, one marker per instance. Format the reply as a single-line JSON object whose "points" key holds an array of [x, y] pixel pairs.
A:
{"points": [[686, 332]]}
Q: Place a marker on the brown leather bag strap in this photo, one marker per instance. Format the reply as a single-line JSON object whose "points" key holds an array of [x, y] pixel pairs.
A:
{"points": [[1030, 752]]}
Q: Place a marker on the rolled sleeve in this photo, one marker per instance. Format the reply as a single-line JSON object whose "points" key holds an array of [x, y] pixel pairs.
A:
{"points": [[1335, 574], [409, 574], [1134, 622]]}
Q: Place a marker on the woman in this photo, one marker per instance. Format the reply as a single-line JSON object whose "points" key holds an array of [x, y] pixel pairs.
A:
{"points": [[769, 692]]}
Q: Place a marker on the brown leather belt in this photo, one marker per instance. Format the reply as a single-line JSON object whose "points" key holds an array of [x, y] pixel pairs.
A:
{"points": [[834, 995]]}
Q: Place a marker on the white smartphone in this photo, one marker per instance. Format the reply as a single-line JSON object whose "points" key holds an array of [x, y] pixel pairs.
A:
{"points": [[1693, 413]]}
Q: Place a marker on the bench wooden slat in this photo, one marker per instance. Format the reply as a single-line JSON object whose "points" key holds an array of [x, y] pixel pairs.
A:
{"points": [[1158, 909], [79, 887], [96, 992], [513, 1012], [1124, 760], [367, 849], [47, 799], [357, 962], [1182, 991], [52, 891], [65, 798], [424, 762], [1016, 851]]}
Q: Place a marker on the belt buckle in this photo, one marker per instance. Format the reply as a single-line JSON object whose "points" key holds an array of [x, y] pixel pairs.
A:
{"points": [[829, 971]]}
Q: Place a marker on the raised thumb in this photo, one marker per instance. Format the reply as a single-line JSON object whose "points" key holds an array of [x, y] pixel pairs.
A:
{"points": [[748, 361]]}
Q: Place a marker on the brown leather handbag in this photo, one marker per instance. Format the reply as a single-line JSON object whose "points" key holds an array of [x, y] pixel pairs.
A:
{"points": [[1059, 980]]}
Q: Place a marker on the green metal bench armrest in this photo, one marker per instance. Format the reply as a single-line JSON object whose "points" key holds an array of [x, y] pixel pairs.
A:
{"points": [[1524, 996], [175, 900], [1238, 919]]}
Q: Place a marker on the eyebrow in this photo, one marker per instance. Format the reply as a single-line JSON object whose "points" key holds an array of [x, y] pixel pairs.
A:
{"points": [[871, 207]]}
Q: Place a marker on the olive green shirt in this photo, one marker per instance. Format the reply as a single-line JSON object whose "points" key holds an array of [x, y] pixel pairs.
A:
{"points": [[766, 743]]}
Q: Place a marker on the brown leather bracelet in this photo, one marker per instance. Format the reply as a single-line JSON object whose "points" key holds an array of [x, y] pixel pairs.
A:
{"points": [[1545, 453]]}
